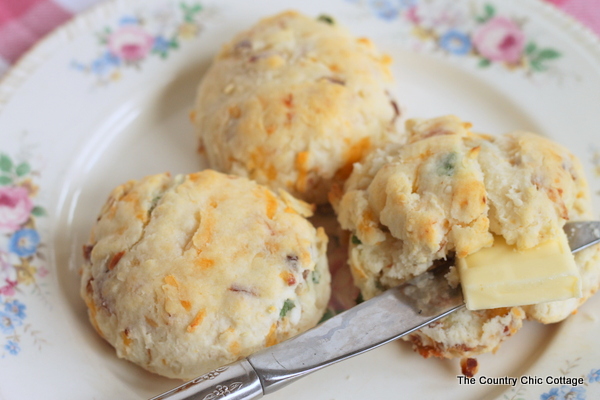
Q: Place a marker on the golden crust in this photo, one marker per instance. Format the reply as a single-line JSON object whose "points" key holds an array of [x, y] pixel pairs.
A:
{"points": [[446, 192], [188, 273], [292, 103], [467, 333]]}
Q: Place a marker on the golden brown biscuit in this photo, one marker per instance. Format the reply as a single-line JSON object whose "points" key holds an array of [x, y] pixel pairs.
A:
{"points": [[292, 103], [185, 274], [445, 193]]}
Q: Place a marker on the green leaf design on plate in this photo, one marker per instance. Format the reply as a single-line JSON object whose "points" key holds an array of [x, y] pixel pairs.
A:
{"points": [[488, 12], [191, 9], [38, 211], [23, 169], [6, 163], [5, 180], [484, 63], [530, 48], [548, 54], [189, 12], [537, 65], [103, 36], [539, 58]]}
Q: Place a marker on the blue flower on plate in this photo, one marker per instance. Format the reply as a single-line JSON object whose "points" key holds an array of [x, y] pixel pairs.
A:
{"points": [[111, 59], [104, 63], [12, 347], [456, 42], [15, 308], [564, 393], [24, 242], [78, 66], [8, 322], [389, 9], [404, 4], [129, 20], [594, 375], [161, 44]]}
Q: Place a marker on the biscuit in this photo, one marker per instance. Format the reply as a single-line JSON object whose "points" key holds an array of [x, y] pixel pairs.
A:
{"points": [[292, 103], [445, 193], [184, 274], [465, 334]]}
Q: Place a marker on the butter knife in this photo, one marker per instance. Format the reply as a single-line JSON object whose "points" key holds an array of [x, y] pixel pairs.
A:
{"points": [[373, 323]]}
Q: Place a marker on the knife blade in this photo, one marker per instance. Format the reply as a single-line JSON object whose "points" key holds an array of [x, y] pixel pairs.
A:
{"points": [[373, 323]]}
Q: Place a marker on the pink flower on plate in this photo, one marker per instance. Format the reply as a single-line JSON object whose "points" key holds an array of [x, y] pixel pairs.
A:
{"points": [[15, 207], [500, 39], [42, 271], [130, 43], [412, 15], [9, 288]]}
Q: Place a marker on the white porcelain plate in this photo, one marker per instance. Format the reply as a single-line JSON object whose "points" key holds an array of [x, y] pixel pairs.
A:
{"points": [[105, 99]]}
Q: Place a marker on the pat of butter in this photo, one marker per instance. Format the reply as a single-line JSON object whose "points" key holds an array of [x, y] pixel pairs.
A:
{"points": [[502, 276]]}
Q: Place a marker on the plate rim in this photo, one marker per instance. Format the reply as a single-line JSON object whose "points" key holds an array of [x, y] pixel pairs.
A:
{"points": [[27, 64], [63, 35]]}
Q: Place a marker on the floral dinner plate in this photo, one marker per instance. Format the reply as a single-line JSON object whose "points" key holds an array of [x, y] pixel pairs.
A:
{"points": [[106, 97]]}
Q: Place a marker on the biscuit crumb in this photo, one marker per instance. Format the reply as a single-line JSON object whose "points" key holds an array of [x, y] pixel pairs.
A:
{"points": [[469, 367]]}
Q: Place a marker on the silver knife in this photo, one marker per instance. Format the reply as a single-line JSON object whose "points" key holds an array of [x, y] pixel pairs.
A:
{"points": [[389, 316]]}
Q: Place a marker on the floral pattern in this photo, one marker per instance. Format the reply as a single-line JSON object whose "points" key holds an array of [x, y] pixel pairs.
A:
{"points": [[478, 32], [21, 258], [500, 39], [594, 376], [565, 393], [136, 38]]}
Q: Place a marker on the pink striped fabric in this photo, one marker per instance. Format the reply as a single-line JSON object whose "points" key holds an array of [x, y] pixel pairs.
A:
{"points": [[23, 22]]}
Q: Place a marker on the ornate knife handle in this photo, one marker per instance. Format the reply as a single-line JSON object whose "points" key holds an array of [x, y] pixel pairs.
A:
{"points": [[235, 381]]}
